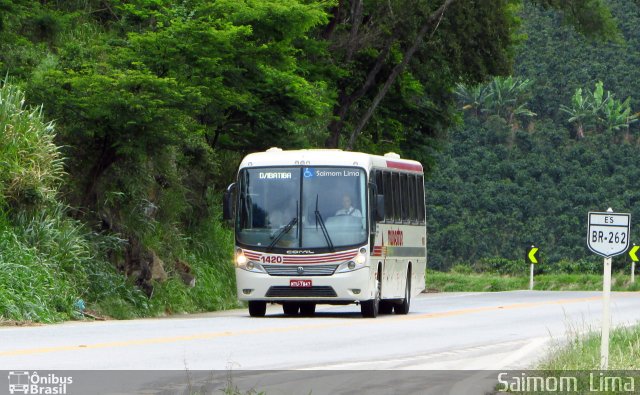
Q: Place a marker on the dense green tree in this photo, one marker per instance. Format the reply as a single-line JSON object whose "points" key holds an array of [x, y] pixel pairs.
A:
{"points": [[150, 76], [112, 116], [155, 102], [486, 200], [434, 43], [413, 52], [560, 61]]}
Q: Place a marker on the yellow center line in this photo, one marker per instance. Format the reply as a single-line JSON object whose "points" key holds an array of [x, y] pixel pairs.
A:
{"points": [[293, 328]]}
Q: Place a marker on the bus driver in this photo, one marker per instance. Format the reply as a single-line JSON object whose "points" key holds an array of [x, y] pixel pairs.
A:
{"points": [[347, 208]]}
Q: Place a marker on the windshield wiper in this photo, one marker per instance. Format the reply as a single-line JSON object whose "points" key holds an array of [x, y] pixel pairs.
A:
{"points": [[325, 232], [283, 232]]}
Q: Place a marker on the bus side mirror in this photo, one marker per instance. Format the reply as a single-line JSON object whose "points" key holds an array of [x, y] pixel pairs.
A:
{"points": [[379, 207], [227, 202]]}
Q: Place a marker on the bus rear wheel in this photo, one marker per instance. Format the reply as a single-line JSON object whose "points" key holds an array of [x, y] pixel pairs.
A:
{"points": [[290, 308], [257, 308], [403, 306]]}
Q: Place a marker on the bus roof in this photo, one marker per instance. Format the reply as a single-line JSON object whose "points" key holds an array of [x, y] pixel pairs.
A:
{"points": [[328, 157]]}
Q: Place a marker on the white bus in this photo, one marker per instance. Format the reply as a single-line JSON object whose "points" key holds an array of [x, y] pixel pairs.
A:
{"points": [[328, 227]]}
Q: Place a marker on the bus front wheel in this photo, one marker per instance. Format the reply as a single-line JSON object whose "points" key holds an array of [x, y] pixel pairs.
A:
{"points": [[370, 308], [257, 308]]}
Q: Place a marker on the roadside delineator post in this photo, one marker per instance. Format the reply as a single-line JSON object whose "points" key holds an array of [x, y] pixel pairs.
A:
{"points": [[531, 279]]}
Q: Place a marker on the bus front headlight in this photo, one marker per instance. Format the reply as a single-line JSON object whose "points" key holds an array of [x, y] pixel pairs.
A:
{"points": [[241, 260], [358, 262]]}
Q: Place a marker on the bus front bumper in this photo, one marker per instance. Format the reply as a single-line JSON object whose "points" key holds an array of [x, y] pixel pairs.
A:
{"points": [[339, 288]]}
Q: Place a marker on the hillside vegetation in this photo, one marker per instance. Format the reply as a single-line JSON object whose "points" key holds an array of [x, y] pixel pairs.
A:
{"points": [[121, 122], [539, 150]]}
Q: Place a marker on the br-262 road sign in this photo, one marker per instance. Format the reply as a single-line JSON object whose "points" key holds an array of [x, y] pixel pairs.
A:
{"points": [[608, 233]]}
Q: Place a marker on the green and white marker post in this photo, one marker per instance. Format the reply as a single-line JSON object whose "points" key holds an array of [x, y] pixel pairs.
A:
{"points": [[607, 236]]}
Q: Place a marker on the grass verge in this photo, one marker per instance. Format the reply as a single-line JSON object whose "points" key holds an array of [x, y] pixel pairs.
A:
{"points": [[488, 282], [582, 352]]}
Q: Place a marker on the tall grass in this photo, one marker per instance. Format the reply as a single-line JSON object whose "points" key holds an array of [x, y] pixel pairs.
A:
{"points": [[48, 261], [582, 351], [30, 287], [30, 164]]}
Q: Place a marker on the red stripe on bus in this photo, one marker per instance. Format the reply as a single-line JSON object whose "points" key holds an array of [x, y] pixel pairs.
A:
{"points": [[303, 255], [315, 257], [311, 258], [404, 166], [304, 258], [298, 259]]}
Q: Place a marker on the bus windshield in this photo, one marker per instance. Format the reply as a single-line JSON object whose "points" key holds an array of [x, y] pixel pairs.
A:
{"points": [[311, 208]]}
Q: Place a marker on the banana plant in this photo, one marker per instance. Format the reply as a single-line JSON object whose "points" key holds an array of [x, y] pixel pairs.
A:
{"points": [[617, 115], [505, 97], [599, 110], [509, 98], [474, 98], [580, 113]]}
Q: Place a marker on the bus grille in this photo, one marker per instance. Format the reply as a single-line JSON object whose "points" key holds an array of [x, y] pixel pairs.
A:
{"points": [[288, 292], [292, 270]]}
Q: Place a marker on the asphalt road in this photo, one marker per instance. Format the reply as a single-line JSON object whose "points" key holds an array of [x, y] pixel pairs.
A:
{"points": [[461, 331]]}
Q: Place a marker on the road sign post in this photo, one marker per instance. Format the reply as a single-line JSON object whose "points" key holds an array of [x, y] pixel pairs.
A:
{"points": [[531, 279], [608, 236], [531, 257], [606, 315]]}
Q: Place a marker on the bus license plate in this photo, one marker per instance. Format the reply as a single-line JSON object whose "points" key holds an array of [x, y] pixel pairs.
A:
{"points": [[300, 283]]}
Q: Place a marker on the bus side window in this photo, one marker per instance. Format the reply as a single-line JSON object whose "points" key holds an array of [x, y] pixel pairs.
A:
{"points": [[397, 205], [379, 183], [421, 202], [388, 197], [413, 201], [404, 191], [379, 190]]}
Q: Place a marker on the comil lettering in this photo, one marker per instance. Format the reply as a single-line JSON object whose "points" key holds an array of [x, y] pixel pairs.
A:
{"points": [[395, 238]]}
